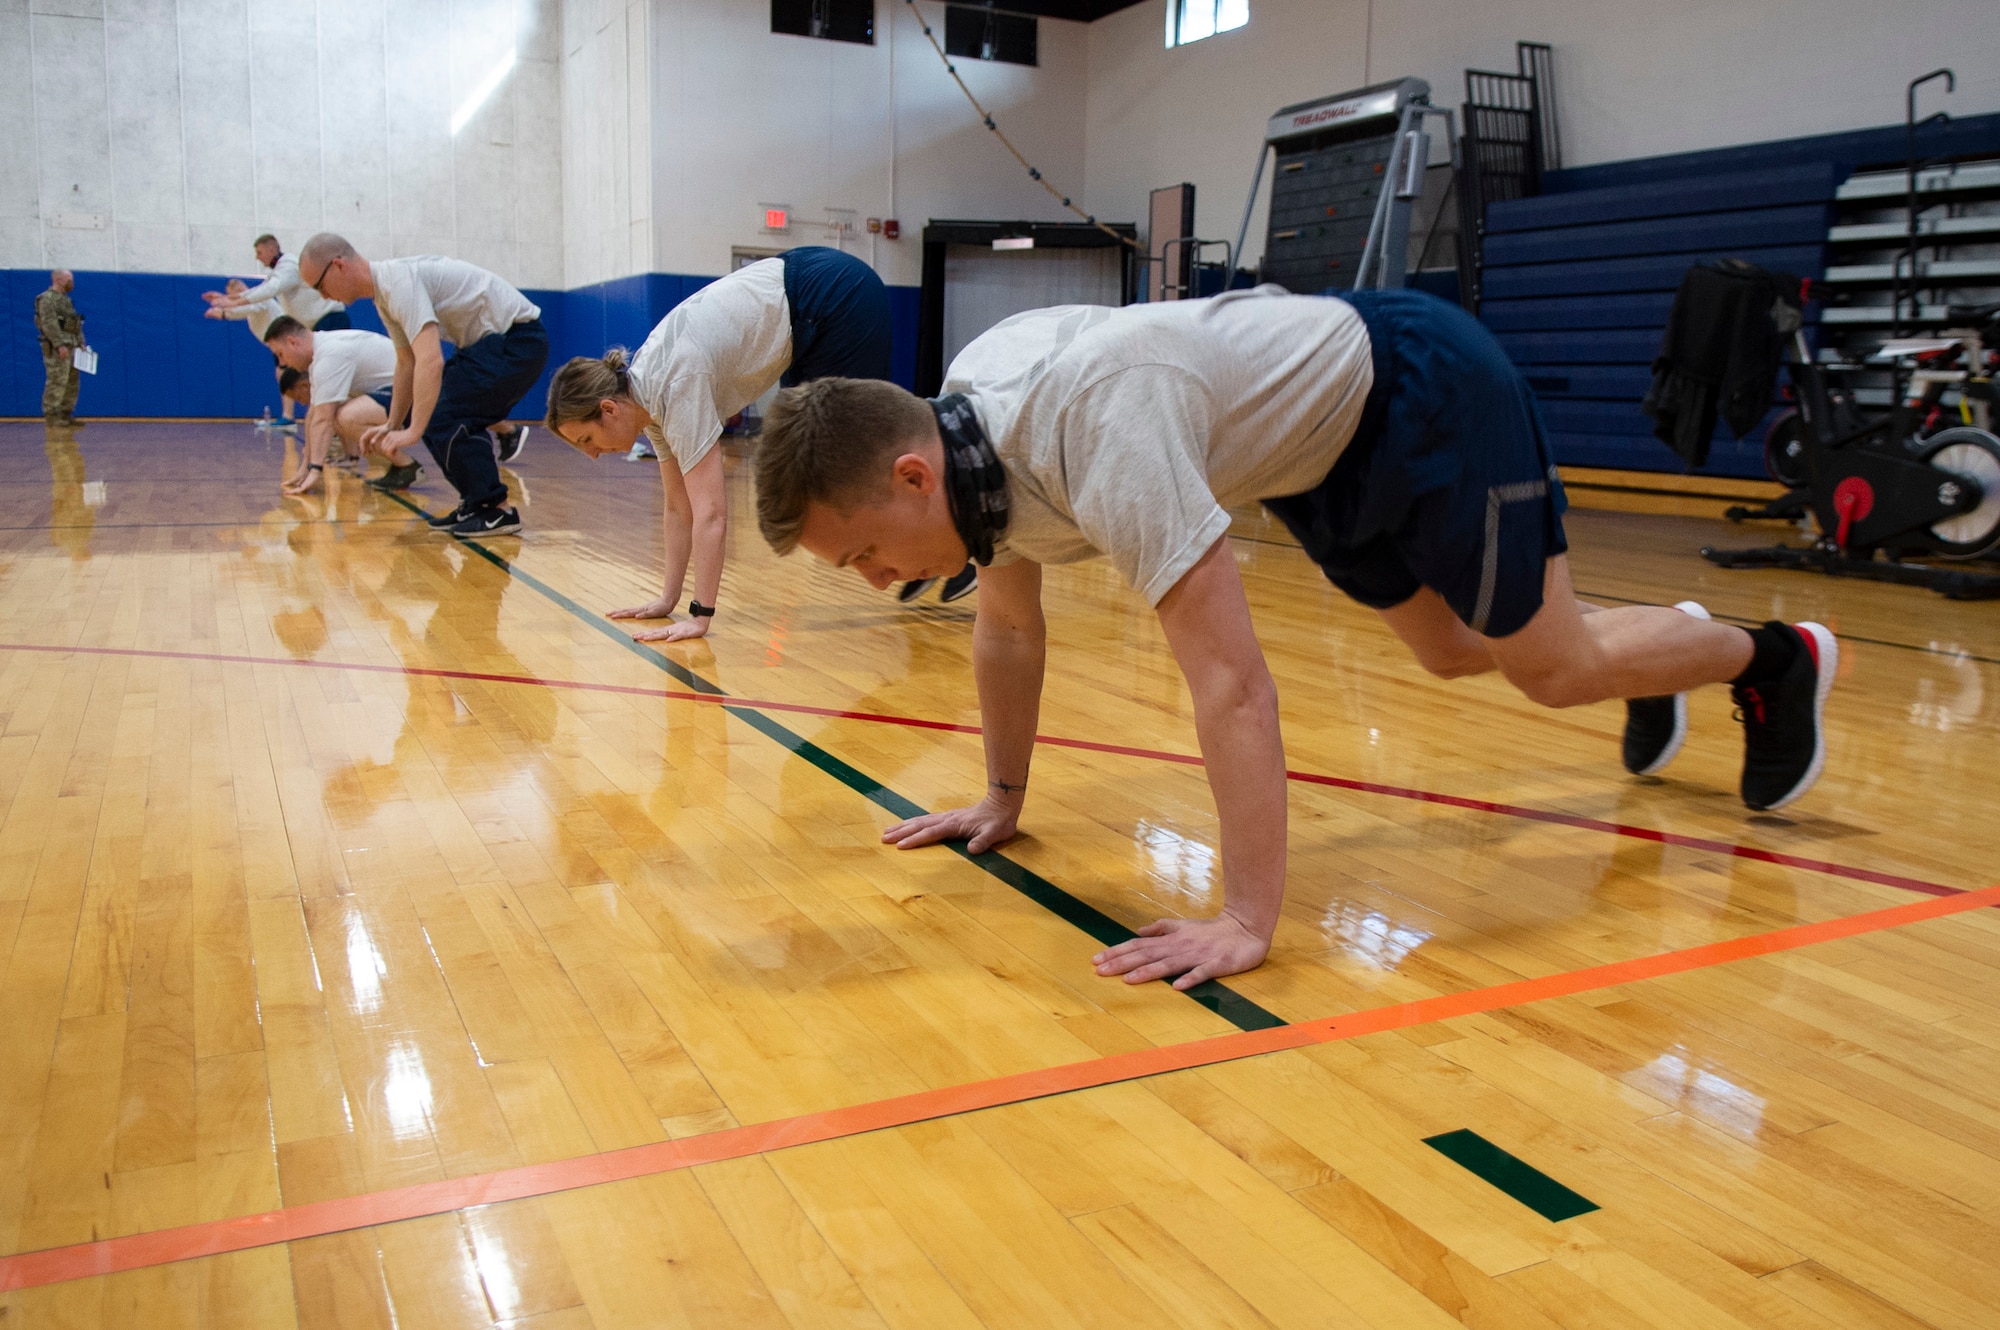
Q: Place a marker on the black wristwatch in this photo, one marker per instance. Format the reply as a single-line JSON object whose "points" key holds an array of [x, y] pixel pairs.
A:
{"points": [[701, 611]]}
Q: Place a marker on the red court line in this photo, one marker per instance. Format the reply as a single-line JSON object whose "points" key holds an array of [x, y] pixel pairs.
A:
{"points": [[112, 1255], [1523, 812]]}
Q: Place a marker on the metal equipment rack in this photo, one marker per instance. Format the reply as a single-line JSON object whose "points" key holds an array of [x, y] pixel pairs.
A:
{"points": [[1350, 167], [1510, 139], [1907, 245]]}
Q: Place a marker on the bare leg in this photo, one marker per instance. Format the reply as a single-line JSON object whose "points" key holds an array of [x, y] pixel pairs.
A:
{"points": [[357, 415], [1570, 654]]}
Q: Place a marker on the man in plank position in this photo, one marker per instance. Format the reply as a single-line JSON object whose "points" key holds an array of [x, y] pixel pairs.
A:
{"points": [[1390, 434]]}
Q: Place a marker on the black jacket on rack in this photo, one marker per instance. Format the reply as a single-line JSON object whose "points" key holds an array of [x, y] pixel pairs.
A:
{"points": [[1725, 338]]}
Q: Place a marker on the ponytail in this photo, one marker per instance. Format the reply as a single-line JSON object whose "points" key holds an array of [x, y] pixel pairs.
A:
{"points": [[578, 390]]}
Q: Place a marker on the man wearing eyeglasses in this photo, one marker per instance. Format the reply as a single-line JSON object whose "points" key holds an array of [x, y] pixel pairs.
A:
{"points": [[448, 404]]}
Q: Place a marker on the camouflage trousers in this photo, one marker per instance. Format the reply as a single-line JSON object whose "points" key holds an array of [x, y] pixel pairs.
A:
{"points": [[59, 392]]}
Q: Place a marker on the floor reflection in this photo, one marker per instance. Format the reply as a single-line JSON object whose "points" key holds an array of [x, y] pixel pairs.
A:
{"points": [[366, 968], [1186, 867], [406, 1092], [1369, 935], [1678, 1077], [1956, 701], [72, 512]]}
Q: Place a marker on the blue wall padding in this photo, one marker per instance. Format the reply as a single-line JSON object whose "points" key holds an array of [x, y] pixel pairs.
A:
{"points": [[160, 358]]}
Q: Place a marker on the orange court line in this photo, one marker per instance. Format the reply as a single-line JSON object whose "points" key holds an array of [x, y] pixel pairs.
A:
{"points": [[139, 1250]]}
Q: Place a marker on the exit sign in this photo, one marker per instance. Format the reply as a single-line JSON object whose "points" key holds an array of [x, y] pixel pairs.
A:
{"points": [[777, 218]]}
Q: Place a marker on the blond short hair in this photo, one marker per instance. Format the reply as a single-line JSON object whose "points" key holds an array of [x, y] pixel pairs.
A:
{"points": [[830, 441], [578, 390]]}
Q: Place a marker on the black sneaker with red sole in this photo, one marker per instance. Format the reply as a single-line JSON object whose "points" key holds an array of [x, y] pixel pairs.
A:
{"points": [[1784, 742]]}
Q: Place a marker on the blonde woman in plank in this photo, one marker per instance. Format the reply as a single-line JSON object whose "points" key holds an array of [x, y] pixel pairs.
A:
{"points": [[807, 314]]}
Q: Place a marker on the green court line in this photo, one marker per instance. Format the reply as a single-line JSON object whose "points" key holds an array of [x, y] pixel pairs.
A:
{"points": [[1518, 1178], [1224, 1001]]}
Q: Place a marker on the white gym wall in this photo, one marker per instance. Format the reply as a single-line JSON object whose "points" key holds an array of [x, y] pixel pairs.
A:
{"points": [[1634, 78], [732, 116], [164, 135], [642, 135], [607, 135]]}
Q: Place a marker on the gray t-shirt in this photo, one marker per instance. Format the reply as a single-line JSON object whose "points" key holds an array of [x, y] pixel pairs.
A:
{"points": [[715, 353], [1126, 432], [259, 316], [350, 362], [464, 301], [291, 293]]}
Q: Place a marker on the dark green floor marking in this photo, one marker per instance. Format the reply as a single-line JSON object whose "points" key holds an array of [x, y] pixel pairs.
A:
{"points": [[1223, 1001], [1520, 1180]]}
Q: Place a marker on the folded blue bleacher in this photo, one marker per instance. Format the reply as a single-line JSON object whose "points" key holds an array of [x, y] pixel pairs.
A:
{"points": [[1579, 279]]}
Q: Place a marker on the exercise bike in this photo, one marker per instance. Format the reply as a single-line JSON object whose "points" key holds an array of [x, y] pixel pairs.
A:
{"points": [[1908, 483]]}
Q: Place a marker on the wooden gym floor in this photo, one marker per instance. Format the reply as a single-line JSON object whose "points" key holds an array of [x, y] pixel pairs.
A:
{"points": [[367, 890]]}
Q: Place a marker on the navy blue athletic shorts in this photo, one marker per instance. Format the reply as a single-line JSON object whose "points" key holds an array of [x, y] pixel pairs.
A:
{"points": [[333, 321], [840, 316], [1449, 482], [382, 397]]}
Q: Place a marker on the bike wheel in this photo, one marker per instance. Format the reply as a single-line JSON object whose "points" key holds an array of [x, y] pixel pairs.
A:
{"points": [[1785, 451], [1968, 456]]}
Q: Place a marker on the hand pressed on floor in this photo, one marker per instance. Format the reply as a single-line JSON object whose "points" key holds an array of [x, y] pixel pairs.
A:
{"points": [[652, 609], [684, 631], [984, 825], [1194, 949]]}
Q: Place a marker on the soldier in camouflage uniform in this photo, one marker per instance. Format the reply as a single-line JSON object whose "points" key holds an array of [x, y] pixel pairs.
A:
{"points": [[61, 331]]}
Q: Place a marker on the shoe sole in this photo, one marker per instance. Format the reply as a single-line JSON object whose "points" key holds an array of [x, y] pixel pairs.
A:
{"points": [[1828, 654], [1696, 610]]}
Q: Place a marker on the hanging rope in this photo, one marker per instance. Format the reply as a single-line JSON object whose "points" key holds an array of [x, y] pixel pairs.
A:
{"points": [[986, 118]]}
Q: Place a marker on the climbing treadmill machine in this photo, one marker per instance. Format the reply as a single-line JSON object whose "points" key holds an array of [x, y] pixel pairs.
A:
{"points": [[1337, 157]]}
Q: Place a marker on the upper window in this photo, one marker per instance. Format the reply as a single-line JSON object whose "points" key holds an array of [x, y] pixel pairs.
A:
{"points": [[1192, 20], [835, 20], [984, 33]]}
